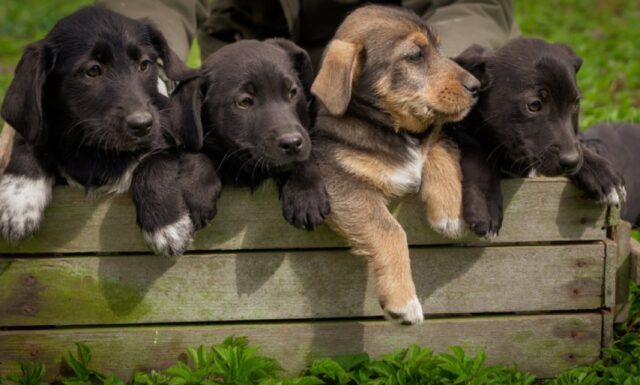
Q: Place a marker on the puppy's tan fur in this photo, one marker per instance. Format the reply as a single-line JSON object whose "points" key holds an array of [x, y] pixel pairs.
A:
{"points": [[386, 90], [6, 145]]}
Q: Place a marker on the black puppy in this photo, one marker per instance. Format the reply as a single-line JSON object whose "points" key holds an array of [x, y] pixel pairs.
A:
{"points": [[253, 103], [87, 111], [620, 144], [525, 124]]}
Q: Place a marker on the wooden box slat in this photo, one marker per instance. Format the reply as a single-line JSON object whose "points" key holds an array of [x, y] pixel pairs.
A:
{"points": [[293, 285], [544, 209], [543, 344]]}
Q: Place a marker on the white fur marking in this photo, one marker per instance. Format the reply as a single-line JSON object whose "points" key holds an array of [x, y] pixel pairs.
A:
{"points": [[171, 240], [115, 186], [612, 197], [406, 179], [162, 88], [449, 227], [22, 204], [532, 173], [411, 313]]}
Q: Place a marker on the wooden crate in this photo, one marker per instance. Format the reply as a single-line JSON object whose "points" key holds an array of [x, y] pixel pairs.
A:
{"points": [[543, 295]]}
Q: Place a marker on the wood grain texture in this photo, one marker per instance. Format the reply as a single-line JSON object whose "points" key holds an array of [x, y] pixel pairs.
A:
{"points": [[634, 247], [292, 285], [536, 210], [544, 345]]}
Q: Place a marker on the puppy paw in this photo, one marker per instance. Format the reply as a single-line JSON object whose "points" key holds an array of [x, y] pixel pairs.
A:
{"points": [[171, 240], [22, 204], [600, 181], [449, 227], [305, 208], [409, 313]]}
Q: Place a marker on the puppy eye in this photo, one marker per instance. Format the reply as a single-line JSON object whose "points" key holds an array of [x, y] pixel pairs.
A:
{"points": [[245, 103], [416, 57], [535, 106], [93, 71], [293, 92], [144, 65]]}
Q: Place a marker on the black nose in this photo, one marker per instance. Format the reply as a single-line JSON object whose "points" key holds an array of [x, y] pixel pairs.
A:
{"points": [[140, 122], [472, 86], [291, 144], [569, 160]]}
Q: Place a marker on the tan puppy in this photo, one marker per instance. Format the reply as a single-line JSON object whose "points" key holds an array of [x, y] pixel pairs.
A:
{"points": [[386, 90]]}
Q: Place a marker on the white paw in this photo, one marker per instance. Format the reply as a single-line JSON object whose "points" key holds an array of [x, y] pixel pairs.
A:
{"points": [[490, 236], [449, 227], [22, 204], [408, 314], [171, 240], [615, 196]]}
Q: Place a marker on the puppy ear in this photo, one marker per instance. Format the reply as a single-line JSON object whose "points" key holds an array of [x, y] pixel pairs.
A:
{"points": [[338, 72], [474, 60], [22, 106], [301, 62], [186, 113], [575, 60], [173, 66]]}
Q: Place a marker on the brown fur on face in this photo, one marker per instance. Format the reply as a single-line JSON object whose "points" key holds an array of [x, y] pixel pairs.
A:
{"points": [[392, 60], [382, 81]]}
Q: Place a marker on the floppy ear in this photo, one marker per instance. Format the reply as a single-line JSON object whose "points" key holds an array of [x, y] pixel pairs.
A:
{"points": [[301, 62], [186, 113], [575, 60], [173, 66], [22, 106], [338, 72], [474, 60]]}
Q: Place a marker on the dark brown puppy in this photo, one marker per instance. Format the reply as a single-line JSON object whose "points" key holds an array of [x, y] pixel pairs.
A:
{"points": [[386, 90]]}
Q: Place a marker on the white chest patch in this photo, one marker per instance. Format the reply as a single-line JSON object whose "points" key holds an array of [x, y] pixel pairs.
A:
{"points": [[22, 204], [406, 178], [116, 186]]}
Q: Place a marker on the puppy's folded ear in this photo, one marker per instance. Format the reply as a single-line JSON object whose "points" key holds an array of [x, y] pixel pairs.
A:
{"points": [[474, 60], [574, 59], [186, 113], [301, 62], [339, 70], [173, 66], [22, 106]]}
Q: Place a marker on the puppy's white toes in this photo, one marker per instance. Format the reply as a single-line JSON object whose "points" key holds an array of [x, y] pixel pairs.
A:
{"points": [[22, 204], [171, 240], [490, 236], [408, 314], [612, 198], [449, 227], [622, 191]]}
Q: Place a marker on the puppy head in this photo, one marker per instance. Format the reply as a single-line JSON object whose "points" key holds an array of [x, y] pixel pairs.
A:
{"points": [[252, 100], [92, 81], [529, 102], [389, 58]]}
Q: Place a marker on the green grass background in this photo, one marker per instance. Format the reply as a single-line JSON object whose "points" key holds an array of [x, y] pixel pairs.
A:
{"points": [[605, 33]]}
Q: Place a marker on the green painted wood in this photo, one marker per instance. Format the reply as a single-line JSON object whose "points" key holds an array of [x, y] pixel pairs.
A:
{"points": [[292, 285], [545, 344], [537, 210]]}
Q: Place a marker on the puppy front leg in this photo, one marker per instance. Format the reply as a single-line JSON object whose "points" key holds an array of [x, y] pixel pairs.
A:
{"points": [[441, 189], [362, 217], [25, 191], [599, 179], [201, 187], [305, 203], [161, 211]]}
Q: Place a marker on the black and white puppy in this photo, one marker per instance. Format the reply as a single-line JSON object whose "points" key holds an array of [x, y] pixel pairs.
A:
{"points": [[87, 111], [525, 124], [619, 143], [253, 103]]}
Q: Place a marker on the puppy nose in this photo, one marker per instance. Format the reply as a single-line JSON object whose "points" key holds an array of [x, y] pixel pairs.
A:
{"points": [[472, 86], [569, 160], [140, 122], [291, 144]]}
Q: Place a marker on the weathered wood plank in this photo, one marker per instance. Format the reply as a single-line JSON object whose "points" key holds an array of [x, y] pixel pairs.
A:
{"points": [[537, 210], [634, 247], [544, 345], [292, 285], [621, 235]]}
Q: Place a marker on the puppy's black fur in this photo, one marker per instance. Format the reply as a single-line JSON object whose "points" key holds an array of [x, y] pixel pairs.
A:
{"points": [[525, 124], [252, 102], [86, 108], [619, 143]]}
